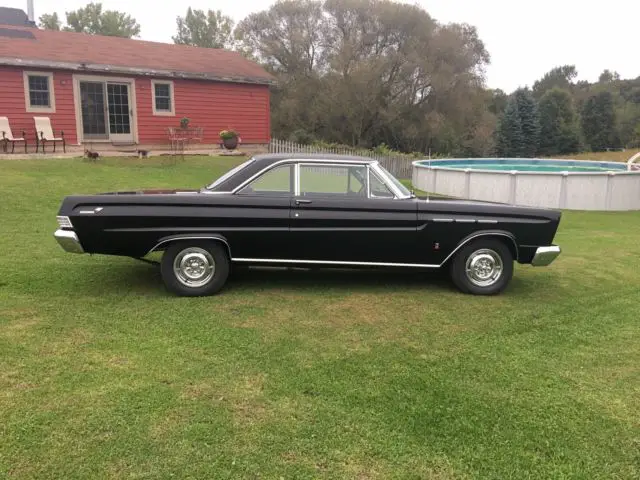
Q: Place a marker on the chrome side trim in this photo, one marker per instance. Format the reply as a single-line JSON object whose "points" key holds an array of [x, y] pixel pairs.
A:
{"points": [[442, 220], [332, 262], [488, 221], [465, 220], [218, 238], [545, 255], [482, 234], [69, 241]]}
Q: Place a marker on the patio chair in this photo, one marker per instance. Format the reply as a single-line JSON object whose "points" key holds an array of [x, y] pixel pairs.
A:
{"points": [[44, 134], [7, 136]]}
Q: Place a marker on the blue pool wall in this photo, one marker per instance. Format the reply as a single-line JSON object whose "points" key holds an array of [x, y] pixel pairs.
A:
{"points": [[478, 162]]}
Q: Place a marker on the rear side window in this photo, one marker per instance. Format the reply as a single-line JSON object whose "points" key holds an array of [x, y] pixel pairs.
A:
{"points": [[276, 182]]}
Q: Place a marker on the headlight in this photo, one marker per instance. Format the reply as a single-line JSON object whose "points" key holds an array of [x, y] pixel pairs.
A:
{"points": [[64, 222]]}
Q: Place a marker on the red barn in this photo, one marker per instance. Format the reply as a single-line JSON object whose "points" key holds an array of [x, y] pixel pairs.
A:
{"points": [[108, 91]]}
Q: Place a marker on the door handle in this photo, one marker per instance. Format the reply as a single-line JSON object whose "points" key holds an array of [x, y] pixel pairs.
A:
{"points": [[299, 202]]}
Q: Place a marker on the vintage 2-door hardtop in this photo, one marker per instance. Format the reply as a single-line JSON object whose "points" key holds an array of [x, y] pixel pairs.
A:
{"points": [[308, 211]]}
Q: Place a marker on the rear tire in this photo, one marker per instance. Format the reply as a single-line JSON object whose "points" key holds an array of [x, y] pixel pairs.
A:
{"points": [[195, 268], [483, 267]]}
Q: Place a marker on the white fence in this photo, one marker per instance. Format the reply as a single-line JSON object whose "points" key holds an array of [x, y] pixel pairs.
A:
{"points": [[399, 165]]}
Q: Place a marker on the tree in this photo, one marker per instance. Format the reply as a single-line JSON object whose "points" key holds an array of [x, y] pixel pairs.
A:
{"points": [[94, 21], [608, 76], [50, 21], [559, 132], [209, 30], [529, 122], [599, 122], [560, 77], [509, 138], [366, 72]]}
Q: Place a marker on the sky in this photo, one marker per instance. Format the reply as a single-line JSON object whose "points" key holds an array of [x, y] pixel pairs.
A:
{"points": [[524, 39]]}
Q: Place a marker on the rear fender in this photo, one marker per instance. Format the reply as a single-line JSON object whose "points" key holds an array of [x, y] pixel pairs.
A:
{"points": [[164, 242]]}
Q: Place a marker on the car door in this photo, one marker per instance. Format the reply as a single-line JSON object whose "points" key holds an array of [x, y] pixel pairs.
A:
{"points": [[334, 218], [260, 216]]}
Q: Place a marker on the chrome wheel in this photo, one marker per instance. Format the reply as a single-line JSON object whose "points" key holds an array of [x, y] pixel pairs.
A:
{"points": [[194, 267], [484, 267]]}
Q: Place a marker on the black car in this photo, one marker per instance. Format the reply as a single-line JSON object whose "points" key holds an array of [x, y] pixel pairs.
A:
{"points": [[308, 211]]}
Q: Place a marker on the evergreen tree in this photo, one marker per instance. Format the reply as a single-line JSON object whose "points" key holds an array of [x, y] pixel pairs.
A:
{"points": [[509, 141], [529, 121], [599, 122], [559, 133]]}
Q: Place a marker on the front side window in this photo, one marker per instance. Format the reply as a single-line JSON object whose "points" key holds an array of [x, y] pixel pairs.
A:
{"points": [[39, 92], [163, 101], [378, 189], [333, 180], [276, 182], [403, 190]]}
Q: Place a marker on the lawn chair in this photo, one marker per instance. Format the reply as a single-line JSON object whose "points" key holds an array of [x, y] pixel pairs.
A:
{"points": [[7, 136], [44, 134]]}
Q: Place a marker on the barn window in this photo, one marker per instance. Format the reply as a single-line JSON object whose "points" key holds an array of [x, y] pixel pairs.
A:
{"points": [[163, 101], [38, 92]]}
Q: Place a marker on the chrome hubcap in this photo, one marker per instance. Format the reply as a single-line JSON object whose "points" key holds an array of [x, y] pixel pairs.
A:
{"points": [[194, 267], [484, 267]]}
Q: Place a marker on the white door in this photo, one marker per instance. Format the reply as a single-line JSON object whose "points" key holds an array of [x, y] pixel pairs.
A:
{"points": [[120, 112]]}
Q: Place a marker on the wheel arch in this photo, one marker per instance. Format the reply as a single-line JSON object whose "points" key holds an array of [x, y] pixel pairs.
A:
{"points": [[505, 237], [164, 242]]}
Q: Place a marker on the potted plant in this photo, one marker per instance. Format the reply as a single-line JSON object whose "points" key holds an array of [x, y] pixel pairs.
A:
{"points": [[184, 123], [229, 139]]}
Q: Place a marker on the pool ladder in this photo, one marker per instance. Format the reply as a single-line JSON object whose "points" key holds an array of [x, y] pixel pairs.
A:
{"points": [[630, 165]]}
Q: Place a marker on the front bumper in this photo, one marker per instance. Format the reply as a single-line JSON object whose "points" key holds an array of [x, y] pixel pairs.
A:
{"points": [[68, 240], [545, 255]]}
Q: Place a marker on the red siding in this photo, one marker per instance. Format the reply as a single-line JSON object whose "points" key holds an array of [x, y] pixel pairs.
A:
{"points": [[12, 105], [213, 106]]}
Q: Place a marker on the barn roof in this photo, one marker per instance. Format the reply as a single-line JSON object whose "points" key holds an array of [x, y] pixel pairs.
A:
{"points": [[35, 48]]}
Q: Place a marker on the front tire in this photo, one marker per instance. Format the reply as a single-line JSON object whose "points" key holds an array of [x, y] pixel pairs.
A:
{"points": [[483, 267], [195, 268]]}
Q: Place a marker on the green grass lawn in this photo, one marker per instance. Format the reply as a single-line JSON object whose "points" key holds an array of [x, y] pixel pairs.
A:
{"points": [[308, 375]]}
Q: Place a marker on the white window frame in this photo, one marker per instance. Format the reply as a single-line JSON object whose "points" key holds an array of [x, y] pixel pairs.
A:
{"points": [[27, 97], [163, 113]]}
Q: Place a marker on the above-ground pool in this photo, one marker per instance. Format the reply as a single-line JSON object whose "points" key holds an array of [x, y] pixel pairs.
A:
{"points": [[566, 184]]}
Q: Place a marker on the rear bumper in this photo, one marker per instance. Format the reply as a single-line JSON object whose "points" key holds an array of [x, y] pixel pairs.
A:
{"points": [[68, 240], [545, 255]]}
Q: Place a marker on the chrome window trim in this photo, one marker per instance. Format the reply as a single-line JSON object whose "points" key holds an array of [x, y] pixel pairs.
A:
{"points": [[387, 181], [296, 180], [239, 192], [382, 180], [298, 161], [325, 163]]}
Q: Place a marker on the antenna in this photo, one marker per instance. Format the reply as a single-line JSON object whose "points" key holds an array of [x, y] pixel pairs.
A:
{"points": [[430, 172]]}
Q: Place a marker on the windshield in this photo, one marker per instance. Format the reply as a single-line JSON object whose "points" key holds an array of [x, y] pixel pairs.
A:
{"points": [[403, 190], [230, 173]]}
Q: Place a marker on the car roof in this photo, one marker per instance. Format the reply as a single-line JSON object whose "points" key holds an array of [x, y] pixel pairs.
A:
{"points": [[262, 161], [275, 157]]}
